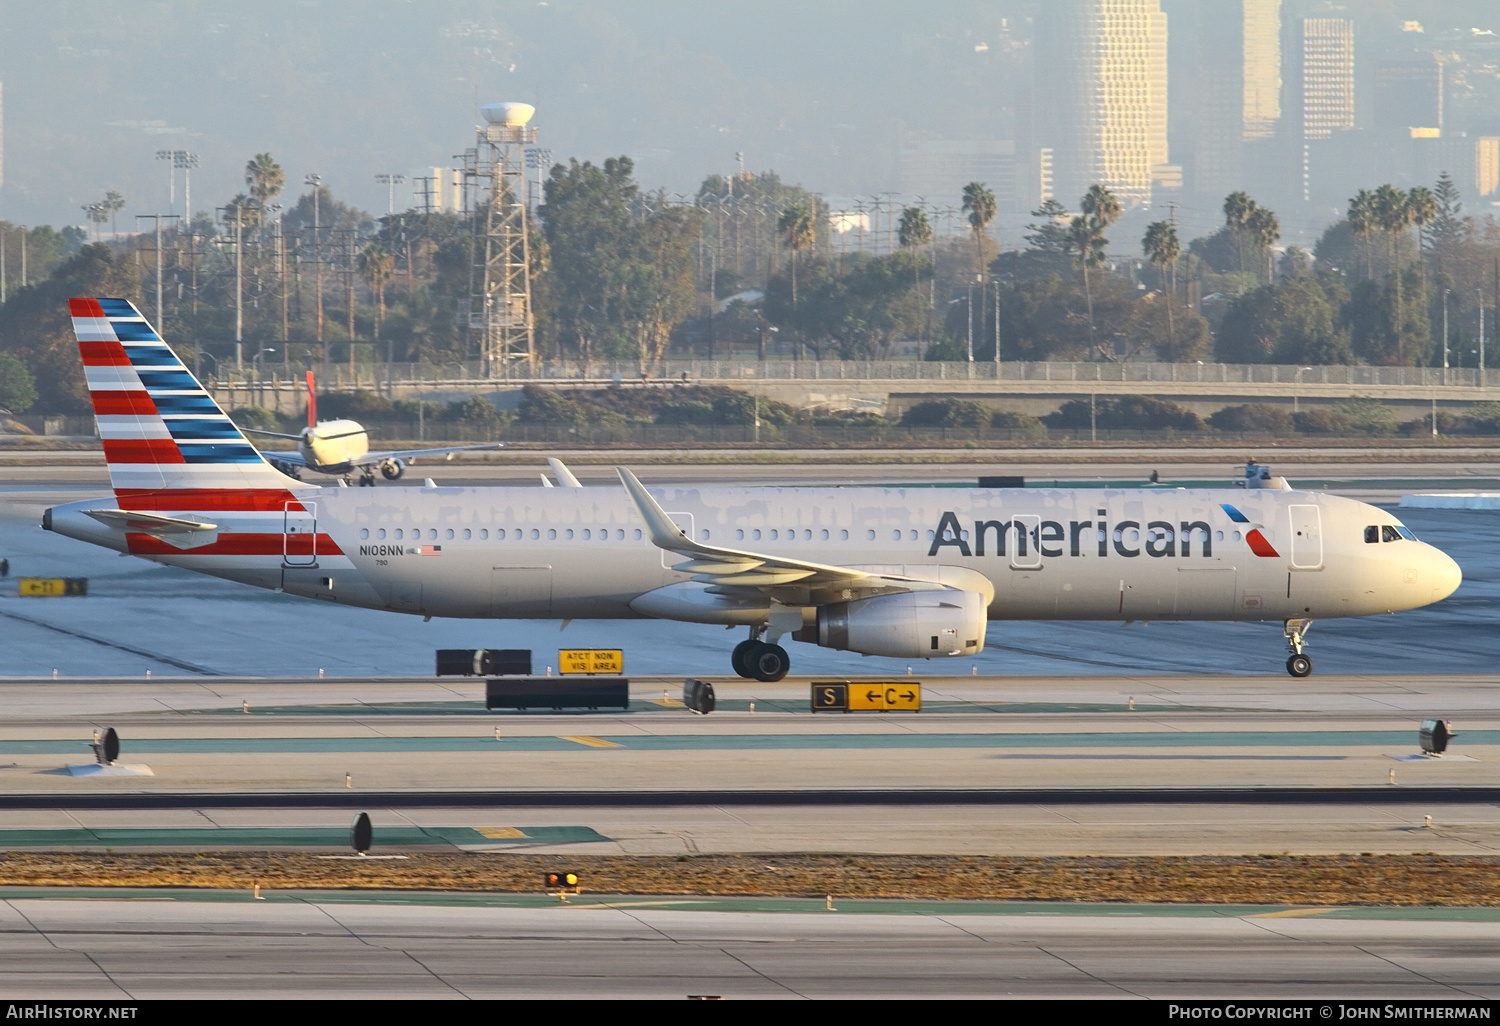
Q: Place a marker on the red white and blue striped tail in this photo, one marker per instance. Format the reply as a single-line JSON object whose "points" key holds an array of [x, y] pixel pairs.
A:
{"points": [[167, 442]]}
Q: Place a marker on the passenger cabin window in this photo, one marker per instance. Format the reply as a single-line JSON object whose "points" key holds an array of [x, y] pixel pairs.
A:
{"points": [[1372, 534]]}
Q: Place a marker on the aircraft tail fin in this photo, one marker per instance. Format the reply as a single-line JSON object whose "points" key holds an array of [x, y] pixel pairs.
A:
{"points": [[312, 401], [167, 442]]}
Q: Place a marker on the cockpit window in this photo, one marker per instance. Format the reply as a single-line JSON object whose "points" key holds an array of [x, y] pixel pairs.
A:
{"points": [[1388, 533], [1372, 534], [1406, 533]]}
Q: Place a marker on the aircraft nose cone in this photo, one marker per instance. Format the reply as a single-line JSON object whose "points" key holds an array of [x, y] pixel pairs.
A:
{"points": [[1447, 575]]}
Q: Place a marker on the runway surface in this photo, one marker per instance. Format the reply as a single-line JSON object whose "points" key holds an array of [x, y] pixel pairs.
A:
{"points": [[1025, 765], [334, 946]]}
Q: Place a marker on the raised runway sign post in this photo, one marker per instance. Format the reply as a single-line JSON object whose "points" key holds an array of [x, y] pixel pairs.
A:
{"points": [[591, 660], [871, 696]]}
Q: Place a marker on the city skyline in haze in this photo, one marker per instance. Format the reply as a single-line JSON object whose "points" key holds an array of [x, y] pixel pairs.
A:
{"points": [[828, 94]]}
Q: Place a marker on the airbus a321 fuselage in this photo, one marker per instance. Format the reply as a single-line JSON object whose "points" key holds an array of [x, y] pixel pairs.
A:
{"points": [[911, 573]]}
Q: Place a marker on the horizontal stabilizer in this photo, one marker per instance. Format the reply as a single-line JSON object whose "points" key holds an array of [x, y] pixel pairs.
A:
{"points": [[150, 523]]}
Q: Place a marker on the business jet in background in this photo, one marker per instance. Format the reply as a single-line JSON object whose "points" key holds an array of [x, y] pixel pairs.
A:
{"points": [[910, 573], [341, 448]]}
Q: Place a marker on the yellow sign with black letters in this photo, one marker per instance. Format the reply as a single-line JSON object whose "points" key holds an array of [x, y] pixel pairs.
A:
{"points": [[48, 587], [868, 696], [591, 660]]}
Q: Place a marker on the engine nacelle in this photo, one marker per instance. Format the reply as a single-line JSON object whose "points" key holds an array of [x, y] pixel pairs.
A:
{"points": [[392, 469], [909, 625]]}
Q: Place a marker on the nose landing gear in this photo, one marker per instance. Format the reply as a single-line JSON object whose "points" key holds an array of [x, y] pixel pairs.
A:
{"points": [[758, 660], [1297, 664]]}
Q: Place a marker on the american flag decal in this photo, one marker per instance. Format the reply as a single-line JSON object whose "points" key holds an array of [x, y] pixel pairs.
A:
{"points": [[429, 550]]}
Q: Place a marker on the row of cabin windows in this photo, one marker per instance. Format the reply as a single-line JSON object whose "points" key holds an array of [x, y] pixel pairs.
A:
{"points": [[501, 534], [603, 534], [1386, 533]]}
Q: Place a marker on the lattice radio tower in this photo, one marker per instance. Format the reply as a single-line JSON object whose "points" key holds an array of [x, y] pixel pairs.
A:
{"points": [[500, 320]]}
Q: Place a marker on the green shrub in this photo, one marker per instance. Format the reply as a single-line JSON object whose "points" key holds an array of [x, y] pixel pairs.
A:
{"points": [[1125, 413], [1022, 424], [257, 417], [1373, 416], [1258, 417], [547, 406], [1324, 420], [947, 413], [474, 410], [688, 411], [361, 405], [17, 387]]}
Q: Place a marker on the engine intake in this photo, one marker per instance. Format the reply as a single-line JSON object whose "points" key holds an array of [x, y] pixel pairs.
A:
{"points": [[909, 625]]}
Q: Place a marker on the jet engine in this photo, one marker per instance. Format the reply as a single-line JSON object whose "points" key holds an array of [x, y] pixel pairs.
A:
{"points": [[908, 625], [392, 469]]}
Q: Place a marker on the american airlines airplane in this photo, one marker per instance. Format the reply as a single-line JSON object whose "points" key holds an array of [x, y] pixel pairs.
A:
{"points": [[910, 573]]}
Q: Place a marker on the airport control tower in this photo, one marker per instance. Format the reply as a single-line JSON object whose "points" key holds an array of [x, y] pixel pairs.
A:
{"points": [[500, 320]]}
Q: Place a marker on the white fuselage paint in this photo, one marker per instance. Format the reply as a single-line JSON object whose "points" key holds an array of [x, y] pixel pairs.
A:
{"points": [[582, 553]]}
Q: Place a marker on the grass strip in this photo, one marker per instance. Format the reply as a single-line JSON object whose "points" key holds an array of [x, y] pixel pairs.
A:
{"points": [[1386, 880]]}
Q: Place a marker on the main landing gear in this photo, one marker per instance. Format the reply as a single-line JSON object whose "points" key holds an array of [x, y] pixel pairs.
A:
{"points": [[758, 660], [1297, 664]]}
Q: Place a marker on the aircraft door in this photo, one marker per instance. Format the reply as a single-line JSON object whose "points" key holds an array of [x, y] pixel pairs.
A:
{"points": [[1307, 537], [299, 534], [1026, 543]]}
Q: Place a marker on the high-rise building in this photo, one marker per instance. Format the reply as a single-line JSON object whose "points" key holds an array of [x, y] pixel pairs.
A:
{"points": [[1327, 76], [1260, 49], [1409, 95], [1327, 108], [1102, 96], [939, 169], [1226, 63], [1487, 165]]}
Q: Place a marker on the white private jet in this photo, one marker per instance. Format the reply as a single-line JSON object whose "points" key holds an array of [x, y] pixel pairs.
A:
{"points": [[911, 573], [341, 448]]}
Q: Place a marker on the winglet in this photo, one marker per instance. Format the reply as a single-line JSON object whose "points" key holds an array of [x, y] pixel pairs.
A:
{"points": [[565, 476], [664, 533]]}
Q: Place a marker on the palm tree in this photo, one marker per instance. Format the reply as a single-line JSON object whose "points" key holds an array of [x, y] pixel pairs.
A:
{"points": [[1099, 202], [264, 177], [1393, 217], [1163, 248], [1424, 210], [1238, 207], [915, 230], [1264, 229], [799, 231], [376, 265], [114, 203], [979, 204], [1086, 241], [1362, 222]]}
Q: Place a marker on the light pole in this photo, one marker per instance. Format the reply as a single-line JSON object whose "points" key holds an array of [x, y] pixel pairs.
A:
{"points": [[187, 161], [239, 306], [157, 218], [1445, 351], [1297, 390], [390, 181], [316, 181], [260, 374]]}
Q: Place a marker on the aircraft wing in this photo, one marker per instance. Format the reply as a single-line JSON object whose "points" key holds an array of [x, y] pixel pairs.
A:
{"points": [[725, 567], [270, 434], [371, 459]]}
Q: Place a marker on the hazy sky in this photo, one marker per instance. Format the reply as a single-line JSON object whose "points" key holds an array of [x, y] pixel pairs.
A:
{"points": [[823, 91]]}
